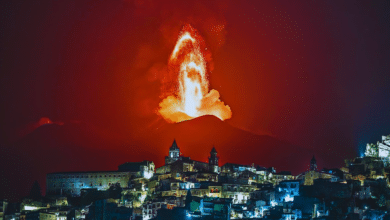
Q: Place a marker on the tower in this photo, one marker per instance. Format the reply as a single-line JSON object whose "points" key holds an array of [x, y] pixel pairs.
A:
{"points": [[213, 161], [174, 153], [313, 164]]}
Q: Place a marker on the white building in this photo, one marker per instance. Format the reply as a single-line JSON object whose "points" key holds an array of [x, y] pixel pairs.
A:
{"points": [[381, 149], [71, 183]]}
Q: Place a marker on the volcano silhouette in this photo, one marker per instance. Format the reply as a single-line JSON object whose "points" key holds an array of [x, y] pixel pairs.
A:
{"points": [[196, 138]]}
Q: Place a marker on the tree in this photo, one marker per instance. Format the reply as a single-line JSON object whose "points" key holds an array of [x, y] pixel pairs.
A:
{"points": [[371, 150], [188, 199], [381, 201], [115, 191], [35, 192]]}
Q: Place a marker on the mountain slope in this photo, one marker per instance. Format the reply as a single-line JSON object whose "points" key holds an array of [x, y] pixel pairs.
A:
{"points": [[196, 138]]}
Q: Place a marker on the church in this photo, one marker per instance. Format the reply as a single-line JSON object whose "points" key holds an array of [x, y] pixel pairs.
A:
{"points": [[178, 165]]}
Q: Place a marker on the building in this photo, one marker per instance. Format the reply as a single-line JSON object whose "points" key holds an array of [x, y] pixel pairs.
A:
{"points": [[213, 161], [236, 169], [238, 192], [144, 169], [64, 213], [312, 174], [150, 209], [71, 183], [3, 208], [290, 187], [381, 150], [215, 207]]}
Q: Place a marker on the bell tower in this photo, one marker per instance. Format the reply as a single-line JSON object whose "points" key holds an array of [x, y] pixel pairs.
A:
{"points": [[213, 161], [174, 153], [313, 164]]}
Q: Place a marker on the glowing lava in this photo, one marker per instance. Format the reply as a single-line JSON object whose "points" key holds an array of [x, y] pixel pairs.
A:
{"points": [[192, 97]]}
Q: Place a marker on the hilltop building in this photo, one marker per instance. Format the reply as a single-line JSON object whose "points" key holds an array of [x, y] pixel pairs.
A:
{"points": [[380, 150], [313, 173], [177, 165], [71, 183]]}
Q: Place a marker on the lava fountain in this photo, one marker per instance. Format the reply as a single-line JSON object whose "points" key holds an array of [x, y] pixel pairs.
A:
{"points": [[191, 97]]}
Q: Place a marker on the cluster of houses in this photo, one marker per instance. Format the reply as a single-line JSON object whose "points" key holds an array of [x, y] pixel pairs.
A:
{"points": [[188, 189]]}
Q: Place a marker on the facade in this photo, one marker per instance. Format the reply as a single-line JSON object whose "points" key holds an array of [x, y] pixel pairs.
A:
{"points": [[380, 150], [52, 216], [71, 183], [276, 178], [57, 214], [384, 147], [218, 208], [149, 210], [236, 168], [3, 208], [290, 187], [237, 192]]}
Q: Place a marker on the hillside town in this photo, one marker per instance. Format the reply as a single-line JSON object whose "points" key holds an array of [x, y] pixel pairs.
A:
{"points": [[184, 188]]}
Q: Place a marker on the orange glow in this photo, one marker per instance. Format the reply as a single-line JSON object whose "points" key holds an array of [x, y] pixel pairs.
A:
{"points": [[192, 97]]}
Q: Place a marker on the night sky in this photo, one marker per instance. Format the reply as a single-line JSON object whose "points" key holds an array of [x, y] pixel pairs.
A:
{"points": [[315, 74]]}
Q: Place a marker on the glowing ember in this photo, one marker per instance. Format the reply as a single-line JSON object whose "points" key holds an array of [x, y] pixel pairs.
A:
{"points": [[192, 98]]}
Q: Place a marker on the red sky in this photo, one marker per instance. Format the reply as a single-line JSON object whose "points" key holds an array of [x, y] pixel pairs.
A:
{"points": [[313, 73]]}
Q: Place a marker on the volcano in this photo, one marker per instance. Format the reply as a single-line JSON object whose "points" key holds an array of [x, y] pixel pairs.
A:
{"points": [[196, 138]]}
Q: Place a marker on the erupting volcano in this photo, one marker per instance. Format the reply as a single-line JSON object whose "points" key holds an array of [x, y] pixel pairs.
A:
{"points": [[191, 97]]}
